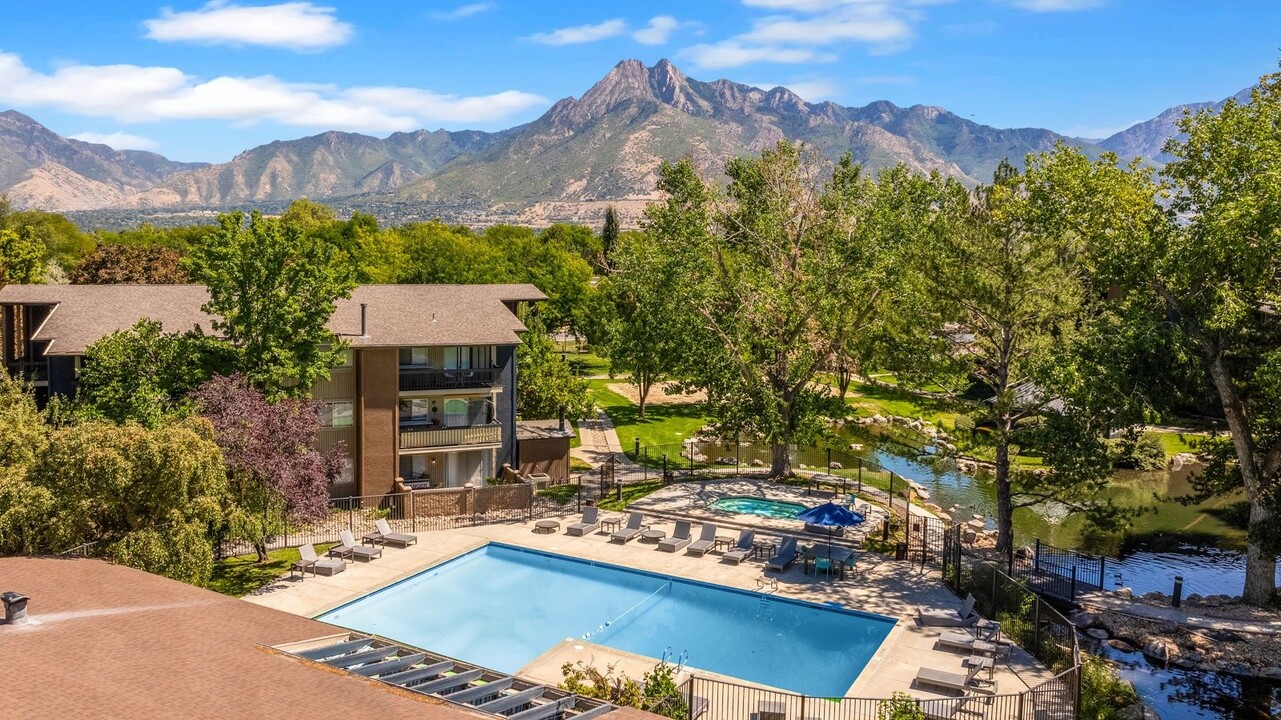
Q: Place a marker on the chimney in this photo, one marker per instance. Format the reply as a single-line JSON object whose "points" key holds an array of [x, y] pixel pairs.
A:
{"points": [[561, 416], [15, 607], [363, 309]]}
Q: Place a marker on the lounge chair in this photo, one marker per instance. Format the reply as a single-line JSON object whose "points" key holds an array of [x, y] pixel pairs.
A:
{"points": [[785, 556], [310, 561], [964, 617], [965, 641], [630, 530], [679, 539], [357, 551], [824, 530], [590, 523], [948, 680], [743, 548], [384, 534], [705, 542]]}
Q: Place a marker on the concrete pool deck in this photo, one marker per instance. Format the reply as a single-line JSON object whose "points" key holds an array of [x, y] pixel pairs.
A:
{"points": [[880, 586]]}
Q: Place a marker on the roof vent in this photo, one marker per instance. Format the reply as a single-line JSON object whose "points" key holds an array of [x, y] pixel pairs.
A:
{"points": [[15, 607]]}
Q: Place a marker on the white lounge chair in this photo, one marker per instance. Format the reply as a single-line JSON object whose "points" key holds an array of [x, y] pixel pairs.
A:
{"points": [[679, 539], [964, 617], [591, 522], [635, 523], [743, 548], [705, 542], [384, 534], [948, 680], [308, 560], [352, 550]]}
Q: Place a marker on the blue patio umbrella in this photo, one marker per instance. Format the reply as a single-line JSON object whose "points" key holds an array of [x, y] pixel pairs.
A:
{"points": [[830, 515]]}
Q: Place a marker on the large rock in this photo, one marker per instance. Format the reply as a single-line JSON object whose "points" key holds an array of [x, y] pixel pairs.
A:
{"points": [[1271, 672], [1121, 645], [1097, 633], [1085, 620], [1161, 650], [1138, 711]]}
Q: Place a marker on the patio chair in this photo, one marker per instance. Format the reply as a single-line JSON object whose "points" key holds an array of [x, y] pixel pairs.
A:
{"points": [[679, 539], [743, 548], [964, 617], [358, 551], [317, 565], [948, 680], [590, 523], [630, 530], [785, 556], [705, 542], [384, 534]]}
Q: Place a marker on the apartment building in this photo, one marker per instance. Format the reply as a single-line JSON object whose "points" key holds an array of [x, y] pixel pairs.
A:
{"points": [[426, 391]]}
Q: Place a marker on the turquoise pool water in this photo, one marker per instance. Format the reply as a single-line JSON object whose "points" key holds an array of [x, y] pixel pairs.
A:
{"points": [[502, 606], [759, 506]]}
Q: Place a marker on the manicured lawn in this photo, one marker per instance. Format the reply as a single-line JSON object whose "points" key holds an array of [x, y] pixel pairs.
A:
{"points": [[577, 464], [241, 575], [662, 425], [560, 494], [1175, 442], [587, 364], [873, 399], [631, 493]]}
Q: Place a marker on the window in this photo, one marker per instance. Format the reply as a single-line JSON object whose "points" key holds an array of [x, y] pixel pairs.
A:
{"points": [[416, 411], [455, 413], [466, 357], [336, 414], [462, 413], [415, 467], [414, 356]]}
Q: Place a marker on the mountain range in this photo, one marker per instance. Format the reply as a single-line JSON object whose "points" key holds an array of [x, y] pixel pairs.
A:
{"points": [[603, 147]]}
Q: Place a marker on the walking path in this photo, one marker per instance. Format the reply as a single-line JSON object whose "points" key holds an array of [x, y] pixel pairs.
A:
{"points": [[1113, 603], [598, 441]]}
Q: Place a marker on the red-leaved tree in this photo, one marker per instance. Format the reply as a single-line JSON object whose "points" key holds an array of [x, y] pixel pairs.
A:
{"points": [[274, 471]]}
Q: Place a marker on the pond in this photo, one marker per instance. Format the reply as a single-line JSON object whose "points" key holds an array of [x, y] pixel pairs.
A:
{"points": [[1202, 542]]}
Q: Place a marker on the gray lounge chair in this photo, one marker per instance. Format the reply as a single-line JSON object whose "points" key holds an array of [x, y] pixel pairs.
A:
{"points": [[964, 617], [630, 530], [960, 640], [705, 542], [358, 551], [948, 680], [590, 523], [743, 548], [385, 535], [310, 561], [785, 556], [679, 539]]}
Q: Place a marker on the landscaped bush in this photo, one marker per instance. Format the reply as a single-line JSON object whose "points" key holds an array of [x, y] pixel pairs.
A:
{"points": [[900, 706], [1137, 451], [655, 692], [1103, 694]]}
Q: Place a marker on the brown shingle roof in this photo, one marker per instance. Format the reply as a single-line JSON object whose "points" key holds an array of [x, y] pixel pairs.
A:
{"points": [[108, 641], [396, 315]]}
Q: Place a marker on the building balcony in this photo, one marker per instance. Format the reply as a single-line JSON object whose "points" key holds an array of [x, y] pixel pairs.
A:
{"points": [[418, 438], [412, 378]]}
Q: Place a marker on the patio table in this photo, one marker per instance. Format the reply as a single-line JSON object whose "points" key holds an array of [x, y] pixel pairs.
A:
{"points": [[652, 535], [609, 525], [723, 543], [837, 554], [764, 549]]}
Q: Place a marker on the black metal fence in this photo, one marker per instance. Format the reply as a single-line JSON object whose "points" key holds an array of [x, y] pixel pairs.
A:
{"points": [[1058, 573]]}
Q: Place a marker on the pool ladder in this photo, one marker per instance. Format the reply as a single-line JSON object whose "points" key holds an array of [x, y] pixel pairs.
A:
{"points": [[766, 586]]}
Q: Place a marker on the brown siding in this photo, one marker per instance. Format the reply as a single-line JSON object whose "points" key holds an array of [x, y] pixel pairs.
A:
{"points": [[341, 385], [545, 455], [378, 370]]}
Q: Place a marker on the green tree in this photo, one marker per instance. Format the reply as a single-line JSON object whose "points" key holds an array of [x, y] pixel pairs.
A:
{"points": [[130, 264], [308, 215], [20, 259], [274, 287], [769, 275], [545, 383], [1218, 277], [646, 327], [148, 496], [144, 374], [1010, 290], [63, 243], [609, 233]]}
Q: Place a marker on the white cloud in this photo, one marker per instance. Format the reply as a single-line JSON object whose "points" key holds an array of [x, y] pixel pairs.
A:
{"points": [[292, 25], [118, 140], [658, 30], [130, 93], [581, 33], [730, 53], [1057, 5], [463, 11], [869, 24], [809, 90]]}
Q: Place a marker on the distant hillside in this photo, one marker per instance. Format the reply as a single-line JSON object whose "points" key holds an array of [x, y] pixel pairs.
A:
{"points": [[1147, 139], [40, 168], [603, 147]]}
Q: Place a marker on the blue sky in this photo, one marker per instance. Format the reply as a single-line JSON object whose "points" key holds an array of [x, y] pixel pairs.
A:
{"points": [[203, 81]]}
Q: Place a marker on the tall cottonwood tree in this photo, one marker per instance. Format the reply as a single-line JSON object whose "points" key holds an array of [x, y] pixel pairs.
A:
{"points": [[770, 271]]}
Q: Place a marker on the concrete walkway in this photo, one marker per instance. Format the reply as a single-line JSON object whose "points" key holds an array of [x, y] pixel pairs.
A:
{"points": [[598, 441], [1111, 602]]}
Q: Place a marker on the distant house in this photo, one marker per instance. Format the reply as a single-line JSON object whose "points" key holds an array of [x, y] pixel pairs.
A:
{"points": [[426, 392]]}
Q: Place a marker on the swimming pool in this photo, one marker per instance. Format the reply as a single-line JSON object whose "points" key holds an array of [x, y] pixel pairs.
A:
{"points": [[502, 606], [759, 506]]}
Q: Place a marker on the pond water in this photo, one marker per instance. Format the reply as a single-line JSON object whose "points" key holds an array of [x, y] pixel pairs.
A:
{"points": [[1202, 542]]}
